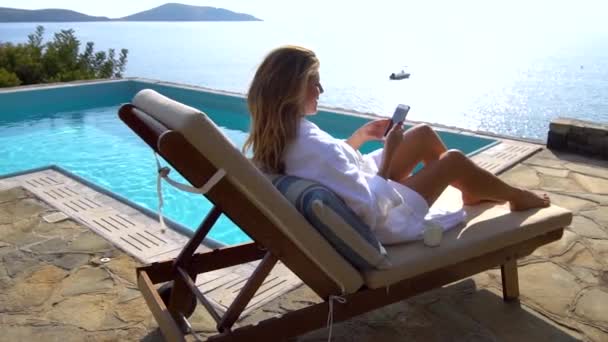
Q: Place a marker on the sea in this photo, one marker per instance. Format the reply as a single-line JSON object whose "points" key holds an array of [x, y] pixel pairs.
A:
{"points": [[507, 80]]}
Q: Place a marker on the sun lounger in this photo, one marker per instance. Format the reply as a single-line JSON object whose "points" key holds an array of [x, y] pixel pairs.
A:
{"points": [[197, 149]]}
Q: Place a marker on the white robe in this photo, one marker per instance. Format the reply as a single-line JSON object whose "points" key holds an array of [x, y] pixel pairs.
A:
{"points": [[394, 212]]}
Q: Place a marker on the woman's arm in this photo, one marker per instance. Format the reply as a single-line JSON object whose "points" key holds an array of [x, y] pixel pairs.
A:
{"points": [[324, 160], [393, 139], [356, 140], [373, 130]]}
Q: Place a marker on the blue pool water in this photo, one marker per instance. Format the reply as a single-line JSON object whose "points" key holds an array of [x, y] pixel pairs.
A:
{"points": [[94, 144]]}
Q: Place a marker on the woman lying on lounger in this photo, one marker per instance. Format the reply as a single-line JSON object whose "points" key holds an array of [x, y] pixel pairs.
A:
{"points": [[379, 186]]}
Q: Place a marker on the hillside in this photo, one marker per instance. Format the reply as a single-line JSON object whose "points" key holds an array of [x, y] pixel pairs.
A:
{"points": [[180, 12], [8, 15], [166, 12]]}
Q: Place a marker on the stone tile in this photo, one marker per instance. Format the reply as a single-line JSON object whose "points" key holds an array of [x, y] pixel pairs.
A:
{"points": [[484, 280], [599, 215], [33, 278], [69, 261], [587, 228], [587, 275], [126, 294], [450, 320], [25, 297], [407, 321], [47, 274], [52, 246], [588, 170], [570, 202], [582, 160], [66, 230], [89, 242], [202, 322], [599, 199], [592, 184], [20, 232], [599, 249], [488, 308], [593, 306], [90, 312], [18, 262], [3, 274], [63, 333], [592, 333], [547, 154], [298, 298], [124, 267], [558, 247], [543, 162], [14, 211], [13, 195], [522, 176], [550, 183], [580, 256], [87, 280], [551, 171], [367, 330], [133, 311], [6, 249], [549, 286], [13, 319]]}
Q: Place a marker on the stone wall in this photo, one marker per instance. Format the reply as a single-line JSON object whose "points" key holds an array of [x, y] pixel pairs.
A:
{"points": [[578, 136]]}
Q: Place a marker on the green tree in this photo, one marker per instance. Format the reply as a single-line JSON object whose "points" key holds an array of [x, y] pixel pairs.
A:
{"points": [[8, 79], [59, 60]]}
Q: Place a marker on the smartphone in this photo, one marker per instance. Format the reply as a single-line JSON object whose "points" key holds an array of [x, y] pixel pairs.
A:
{"points": [[398, 116]]}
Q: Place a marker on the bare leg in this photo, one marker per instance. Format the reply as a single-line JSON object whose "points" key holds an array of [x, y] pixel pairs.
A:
{"points": [[419, 144], [456, 169]]}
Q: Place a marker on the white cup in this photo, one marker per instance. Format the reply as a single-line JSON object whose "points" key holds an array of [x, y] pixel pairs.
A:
{"points": [[432, 234]]}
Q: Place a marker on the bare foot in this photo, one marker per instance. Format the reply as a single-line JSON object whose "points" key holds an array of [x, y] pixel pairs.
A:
{"points": [[528, 200], [468, 199]]}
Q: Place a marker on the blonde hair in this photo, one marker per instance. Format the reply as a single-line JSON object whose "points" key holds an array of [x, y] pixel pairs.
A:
{"points": [[276, 101]]}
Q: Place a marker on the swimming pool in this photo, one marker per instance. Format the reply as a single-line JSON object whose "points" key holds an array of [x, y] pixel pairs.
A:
{"points": [[77, 128]]}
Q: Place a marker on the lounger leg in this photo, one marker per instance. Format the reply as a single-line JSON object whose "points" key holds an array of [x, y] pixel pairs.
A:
{"points": [[510, 282]]}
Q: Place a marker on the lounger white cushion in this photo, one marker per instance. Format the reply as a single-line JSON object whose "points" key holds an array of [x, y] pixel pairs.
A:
{"points": [[205, 136], [489, 228]]}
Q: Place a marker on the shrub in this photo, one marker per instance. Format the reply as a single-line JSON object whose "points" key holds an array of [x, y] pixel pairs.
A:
{"points": [[8, 79], [59, 60]]}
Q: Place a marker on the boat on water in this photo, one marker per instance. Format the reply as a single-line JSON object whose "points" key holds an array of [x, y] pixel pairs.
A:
{"points": [[400, 75]]}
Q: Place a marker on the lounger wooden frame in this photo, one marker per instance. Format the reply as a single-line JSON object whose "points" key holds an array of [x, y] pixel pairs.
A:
{"points": [[270, 244]]}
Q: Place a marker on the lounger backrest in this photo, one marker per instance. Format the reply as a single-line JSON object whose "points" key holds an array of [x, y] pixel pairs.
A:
{"points": [[208, 139]]}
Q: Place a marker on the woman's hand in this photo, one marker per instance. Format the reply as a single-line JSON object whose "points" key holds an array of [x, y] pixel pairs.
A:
{"points": [[393, 138], [373, 130]]}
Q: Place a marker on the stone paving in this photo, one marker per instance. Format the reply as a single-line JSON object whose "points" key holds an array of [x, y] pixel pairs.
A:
{"points": [[53, 285]]}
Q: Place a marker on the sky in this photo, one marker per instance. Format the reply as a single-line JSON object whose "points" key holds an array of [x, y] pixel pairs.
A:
{"points": [[513, 13]]}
